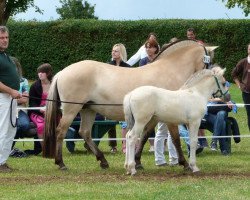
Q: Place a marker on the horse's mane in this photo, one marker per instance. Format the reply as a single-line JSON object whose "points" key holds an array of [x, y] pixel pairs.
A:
{"points": [[199, 75], [168, 49]]}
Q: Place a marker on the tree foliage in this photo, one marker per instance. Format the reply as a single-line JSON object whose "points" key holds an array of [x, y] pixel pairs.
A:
{"points": [[9, 8], [76, 9], [243, 4]]}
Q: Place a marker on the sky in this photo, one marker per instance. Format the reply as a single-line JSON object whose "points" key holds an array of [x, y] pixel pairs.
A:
{"points": [[143, 9]]}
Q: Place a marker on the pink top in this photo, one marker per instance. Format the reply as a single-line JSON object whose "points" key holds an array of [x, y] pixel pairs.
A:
{"points": [[44, 96]]}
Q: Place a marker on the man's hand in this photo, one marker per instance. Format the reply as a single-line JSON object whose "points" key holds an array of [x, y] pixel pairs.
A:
{"points": [[15, 94]]}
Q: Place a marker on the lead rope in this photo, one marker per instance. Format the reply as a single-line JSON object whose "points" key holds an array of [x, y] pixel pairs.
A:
{"points": [[12, 123]]}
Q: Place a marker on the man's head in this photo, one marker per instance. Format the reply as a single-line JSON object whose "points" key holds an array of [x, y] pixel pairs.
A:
{"points": [[4, 38], [191, 34]]}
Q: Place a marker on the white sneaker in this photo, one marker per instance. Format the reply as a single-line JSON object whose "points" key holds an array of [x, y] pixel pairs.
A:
{"points": [[173, 161], [152, 149]]}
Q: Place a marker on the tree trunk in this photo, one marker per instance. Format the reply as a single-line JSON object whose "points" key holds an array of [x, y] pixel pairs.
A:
{"points": [[3, 19]]}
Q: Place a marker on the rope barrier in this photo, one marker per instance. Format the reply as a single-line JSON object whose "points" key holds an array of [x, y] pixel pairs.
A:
{"points": [[122, 139], [240, 105]]}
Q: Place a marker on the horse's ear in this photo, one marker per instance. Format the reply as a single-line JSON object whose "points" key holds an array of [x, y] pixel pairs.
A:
{"points": [[224, 71], [211, 48]]}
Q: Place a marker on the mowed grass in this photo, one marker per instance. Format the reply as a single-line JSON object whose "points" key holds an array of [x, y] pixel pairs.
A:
{"points": [[221, 177]]}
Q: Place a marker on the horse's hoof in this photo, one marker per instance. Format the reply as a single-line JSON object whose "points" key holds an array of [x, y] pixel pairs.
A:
{"points": [[63, 168], [196, 170], [128, 173], [188, 169], [139, 166], [104, 165]]}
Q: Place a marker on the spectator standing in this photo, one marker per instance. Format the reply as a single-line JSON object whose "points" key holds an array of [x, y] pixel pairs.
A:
{"points": [[9, 86], [152, 49], [23, 120], [241, 77], [119, 58], [141, 53], [191, 35], [38, 94]]}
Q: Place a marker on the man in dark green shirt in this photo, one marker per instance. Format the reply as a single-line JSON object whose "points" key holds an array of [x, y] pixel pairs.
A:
{"points": [[9, 86]]}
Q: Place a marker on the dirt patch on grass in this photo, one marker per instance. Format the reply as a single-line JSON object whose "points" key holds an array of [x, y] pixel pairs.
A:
{"points": [[116, 178]]}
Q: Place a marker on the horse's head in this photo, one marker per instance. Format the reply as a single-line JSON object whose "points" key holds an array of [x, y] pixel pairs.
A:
{"points": [[218, 73], [189, 53], [208, 58]]}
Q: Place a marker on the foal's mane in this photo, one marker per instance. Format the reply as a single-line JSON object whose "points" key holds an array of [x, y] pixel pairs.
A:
{"points": [[197, 77], [175, 46]]}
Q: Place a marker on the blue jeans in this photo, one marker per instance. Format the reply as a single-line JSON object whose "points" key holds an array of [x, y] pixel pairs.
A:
{"points": [[216, 123], [184, 133], [246, 99], [71, 134], [23, 123]]}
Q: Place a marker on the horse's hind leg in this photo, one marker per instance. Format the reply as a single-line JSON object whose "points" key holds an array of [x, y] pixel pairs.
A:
{"points": [[173, 129], [61, 131], [87, 121]]}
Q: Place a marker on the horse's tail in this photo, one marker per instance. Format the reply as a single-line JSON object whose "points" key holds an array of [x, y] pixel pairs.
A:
{"points": [[52, 116], [129, 118]]}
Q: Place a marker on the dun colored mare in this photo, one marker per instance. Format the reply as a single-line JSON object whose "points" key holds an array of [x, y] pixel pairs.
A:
{"points": [[147, 105], [90, 82]]}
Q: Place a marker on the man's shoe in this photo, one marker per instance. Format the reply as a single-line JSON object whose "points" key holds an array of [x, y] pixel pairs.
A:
{"points": [[225, 153], [151, 149], [113, 150], [162, 165], [5, 168], [213, 146], [16, 153]]}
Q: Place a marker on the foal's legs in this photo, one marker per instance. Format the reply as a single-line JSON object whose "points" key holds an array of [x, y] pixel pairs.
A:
{"points": [[87, 121], [173, 129], [193, 134], [131, 138]]}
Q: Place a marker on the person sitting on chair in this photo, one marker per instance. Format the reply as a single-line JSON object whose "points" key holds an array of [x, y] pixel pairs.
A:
{"points": [[216, 120]]}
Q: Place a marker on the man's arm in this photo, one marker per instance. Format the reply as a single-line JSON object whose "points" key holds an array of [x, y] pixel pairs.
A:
{"points": [[13, 93]]}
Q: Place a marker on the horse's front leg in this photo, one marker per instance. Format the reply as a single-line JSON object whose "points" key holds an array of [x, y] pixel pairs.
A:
{"points": [[143, 140], [144, 137], [87, 121], [131, 139], [173, 129], [193, 135]]}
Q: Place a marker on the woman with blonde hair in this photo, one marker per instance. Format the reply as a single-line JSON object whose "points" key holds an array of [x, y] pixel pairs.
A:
{"points": [[119, 58], [119, 55]]}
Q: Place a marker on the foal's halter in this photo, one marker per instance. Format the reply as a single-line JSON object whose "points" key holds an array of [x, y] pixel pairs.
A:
{"points": [[219, 89]]}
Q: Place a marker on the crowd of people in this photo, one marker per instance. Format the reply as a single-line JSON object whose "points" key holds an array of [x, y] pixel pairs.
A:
{"points": [[14, 89]]}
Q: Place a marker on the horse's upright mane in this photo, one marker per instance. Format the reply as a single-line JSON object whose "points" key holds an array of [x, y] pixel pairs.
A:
{"points": [[196, 77], [175, 46], [216, 70]]}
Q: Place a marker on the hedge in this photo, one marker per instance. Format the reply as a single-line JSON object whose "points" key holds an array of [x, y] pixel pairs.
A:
{"points": [[62, 43]]}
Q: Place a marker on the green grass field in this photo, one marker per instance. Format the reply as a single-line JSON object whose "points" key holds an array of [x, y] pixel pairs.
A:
{"points": [[221, 177]]}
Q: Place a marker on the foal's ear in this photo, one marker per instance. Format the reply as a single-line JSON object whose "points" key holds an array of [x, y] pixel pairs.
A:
{"points": [[222, 72], [211, 48]]}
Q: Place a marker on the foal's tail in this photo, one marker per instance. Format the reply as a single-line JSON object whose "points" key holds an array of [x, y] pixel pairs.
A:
{"points": [[52, 116], [129, 118]]}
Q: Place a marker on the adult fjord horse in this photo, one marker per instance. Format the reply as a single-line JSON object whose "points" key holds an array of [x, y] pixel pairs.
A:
{"points": [[149, 105], [100, 83]]}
